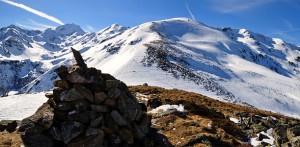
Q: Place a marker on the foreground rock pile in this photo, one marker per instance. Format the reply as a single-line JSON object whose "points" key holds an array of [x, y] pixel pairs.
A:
{"points": [[88, 108]]}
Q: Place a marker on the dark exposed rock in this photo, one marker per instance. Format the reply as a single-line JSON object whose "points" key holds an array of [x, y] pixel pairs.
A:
{"points": [[153, 103], [118, 118], [89, 141], [80, 117], [261, 137], [78, 59], [112, 83], [41, 120], [62, 84], [68, 131], [93, 131], [96, 122], [100, 97], [126, 135], [71, 95], [49, 95], [62, 72], [85, 92], [293, 132], [11, 126], [100, 108], [279, 135], [81, 105], [40, 140], [62, 106], [2, 127]]}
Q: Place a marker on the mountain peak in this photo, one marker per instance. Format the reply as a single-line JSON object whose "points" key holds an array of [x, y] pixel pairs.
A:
{"points": [[69, 29]]}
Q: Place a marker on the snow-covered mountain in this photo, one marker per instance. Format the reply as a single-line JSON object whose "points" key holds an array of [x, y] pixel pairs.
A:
{"points": [[236, 65]]}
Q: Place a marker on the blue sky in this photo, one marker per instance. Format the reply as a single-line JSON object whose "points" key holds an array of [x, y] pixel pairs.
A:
{"points": [[274, 18]]}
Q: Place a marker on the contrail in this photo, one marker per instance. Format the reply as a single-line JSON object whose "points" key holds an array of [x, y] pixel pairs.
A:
{"points": [[189, 10], [39, 13], [291, 30]]}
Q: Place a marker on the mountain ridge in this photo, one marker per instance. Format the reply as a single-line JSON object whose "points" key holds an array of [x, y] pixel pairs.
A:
{"points": [[236, 65]]}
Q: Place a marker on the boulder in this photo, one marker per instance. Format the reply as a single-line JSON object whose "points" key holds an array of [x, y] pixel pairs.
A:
{"points": [[11, 126]]}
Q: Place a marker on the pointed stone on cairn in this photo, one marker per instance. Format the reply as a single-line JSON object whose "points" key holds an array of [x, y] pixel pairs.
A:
{"points": [[87, 108]]}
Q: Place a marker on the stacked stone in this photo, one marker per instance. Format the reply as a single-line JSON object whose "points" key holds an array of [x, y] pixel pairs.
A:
{"points": [[87, 108]]}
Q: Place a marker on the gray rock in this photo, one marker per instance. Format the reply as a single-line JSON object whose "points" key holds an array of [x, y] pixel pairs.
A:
{"points": [[78, 59], [96, 122], [87, 141], [100, 108], [81, 105], [76, 77], [118, 118], [93, 131], [57, 91], [111, 103], [80, 117], [11, 126], [49, 95], [126, 135], [41, 120], [71, 95], [144, 124], [40, 140], [114, 93], [88, 94], [62, 84], [293, 132], [100, 97], [137, 133], [279, 135], [121, 103], [62, 106], [112, 83], [62, 72], [114, 139], [295, 141], [109, 125], [67, 131], [2, 127]]}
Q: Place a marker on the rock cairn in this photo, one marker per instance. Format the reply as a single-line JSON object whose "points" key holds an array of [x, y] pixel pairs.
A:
{"points": [[87, 108]]}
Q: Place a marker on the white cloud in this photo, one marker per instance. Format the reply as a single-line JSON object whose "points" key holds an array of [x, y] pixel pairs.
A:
{"points": [[33, 25], [89, 28], [30, 27], [189, 10], [39, 13], [232, 6]]}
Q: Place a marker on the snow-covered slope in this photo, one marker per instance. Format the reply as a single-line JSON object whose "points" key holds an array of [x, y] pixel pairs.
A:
{"points": [[227, 64]]}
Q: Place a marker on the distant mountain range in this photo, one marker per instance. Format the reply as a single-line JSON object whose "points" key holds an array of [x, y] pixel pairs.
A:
{"points": [[235, 65]]}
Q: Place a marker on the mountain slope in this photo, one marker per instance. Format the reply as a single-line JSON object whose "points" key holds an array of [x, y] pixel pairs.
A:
{"points": [[236, 65]]}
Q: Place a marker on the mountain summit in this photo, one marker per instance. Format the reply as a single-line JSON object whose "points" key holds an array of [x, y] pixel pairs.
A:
{"points": [[235, 65]]}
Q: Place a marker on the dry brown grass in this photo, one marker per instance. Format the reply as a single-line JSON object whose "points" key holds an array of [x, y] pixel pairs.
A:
{"points": [[205, 117], [10, 139], [176, 95]]}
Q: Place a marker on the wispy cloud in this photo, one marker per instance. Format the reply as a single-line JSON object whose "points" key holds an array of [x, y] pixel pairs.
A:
{"points": [[232, 6], [189, 10], [89, 28], [287, 32], [39, 13], [33, 25]]}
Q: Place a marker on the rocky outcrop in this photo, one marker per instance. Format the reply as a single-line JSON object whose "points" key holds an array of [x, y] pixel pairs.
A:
{"points": [[89, 108], [286, 132]]}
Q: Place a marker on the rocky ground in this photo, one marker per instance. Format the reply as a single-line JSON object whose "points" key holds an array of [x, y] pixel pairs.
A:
{"points": [[204, 121]]}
